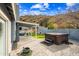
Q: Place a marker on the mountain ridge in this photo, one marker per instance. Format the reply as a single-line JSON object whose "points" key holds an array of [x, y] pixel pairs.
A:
{"points": [[68, 20]]}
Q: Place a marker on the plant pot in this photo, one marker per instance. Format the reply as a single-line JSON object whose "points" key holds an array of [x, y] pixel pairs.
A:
{"points": [[14, 46], [25, 52]]}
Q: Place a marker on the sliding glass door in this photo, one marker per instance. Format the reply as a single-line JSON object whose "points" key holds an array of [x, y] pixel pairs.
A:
{"points": [[2, 37]]}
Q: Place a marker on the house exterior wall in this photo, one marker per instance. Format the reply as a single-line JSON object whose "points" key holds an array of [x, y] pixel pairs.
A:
{"points": [[7, 32], [10, 26], [16, 16], [2, 36]]}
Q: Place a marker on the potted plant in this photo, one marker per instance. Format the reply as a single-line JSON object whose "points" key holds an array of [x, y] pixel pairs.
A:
{"points": [[14, 45], [25, 52]]}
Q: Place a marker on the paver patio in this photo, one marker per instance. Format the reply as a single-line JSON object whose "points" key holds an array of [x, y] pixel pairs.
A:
{"points": [[39, 49]]}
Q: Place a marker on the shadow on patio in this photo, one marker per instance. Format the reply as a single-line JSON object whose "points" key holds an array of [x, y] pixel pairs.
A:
{"points": [[54, 48]]}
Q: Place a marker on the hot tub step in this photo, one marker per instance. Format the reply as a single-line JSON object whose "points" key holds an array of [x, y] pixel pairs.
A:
{"points": [[47, 43]]}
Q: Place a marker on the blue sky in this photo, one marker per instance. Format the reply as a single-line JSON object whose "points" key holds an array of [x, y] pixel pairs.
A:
{"points": [[46, 8]]}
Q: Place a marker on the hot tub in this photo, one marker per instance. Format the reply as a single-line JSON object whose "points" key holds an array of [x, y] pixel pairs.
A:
{"points": [[57, 38]]}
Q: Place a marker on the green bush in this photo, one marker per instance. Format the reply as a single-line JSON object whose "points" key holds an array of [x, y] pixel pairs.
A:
{"points": [[25, 52]]}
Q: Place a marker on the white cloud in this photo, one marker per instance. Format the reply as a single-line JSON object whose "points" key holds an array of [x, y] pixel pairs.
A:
{"points": [[34, 12], [59, 8], [67, 8], [36, 6], [20, 10], [31, 12], [46, 5], [25, 10], [70, 4], [40, 6], [20, 6]]}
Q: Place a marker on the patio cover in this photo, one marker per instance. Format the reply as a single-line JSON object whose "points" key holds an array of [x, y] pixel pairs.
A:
{"points": [[25, 24]]}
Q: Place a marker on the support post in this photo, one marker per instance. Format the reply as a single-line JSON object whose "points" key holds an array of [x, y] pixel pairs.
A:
{"points": [[36, 31]]}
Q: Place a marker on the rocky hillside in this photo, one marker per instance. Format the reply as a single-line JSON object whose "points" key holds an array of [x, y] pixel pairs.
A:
{"points": [[69, 20]]}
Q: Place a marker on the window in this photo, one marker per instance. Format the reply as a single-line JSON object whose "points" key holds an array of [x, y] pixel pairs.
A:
{"points": [[2, 37], [0, 29]]}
